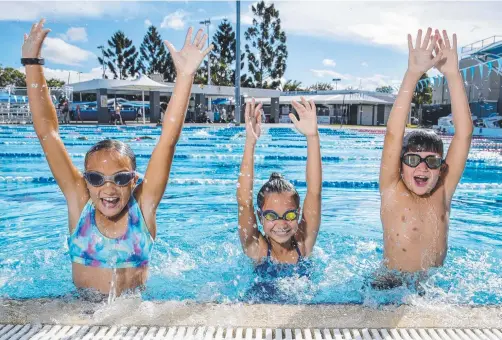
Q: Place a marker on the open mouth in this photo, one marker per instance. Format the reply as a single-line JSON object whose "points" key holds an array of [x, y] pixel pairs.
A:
{"points": [[421, 181], [110, 202]]}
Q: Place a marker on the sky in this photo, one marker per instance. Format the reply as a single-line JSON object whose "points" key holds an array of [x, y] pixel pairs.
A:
{"points": [[362, 43]]}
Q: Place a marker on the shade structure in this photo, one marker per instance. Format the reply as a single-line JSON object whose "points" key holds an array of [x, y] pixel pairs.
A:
{"points": [[143, 83]]}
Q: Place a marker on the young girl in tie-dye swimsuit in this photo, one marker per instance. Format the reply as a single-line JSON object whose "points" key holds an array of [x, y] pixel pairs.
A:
{"points": [[111, 217]]}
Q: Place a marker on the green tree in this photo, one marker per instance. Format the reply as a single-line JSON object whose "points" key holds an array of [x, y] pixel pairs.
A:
{"points": [[55, 83], [11, 76], [422, 95], [154, 57], [223, 59], [320, 86], [223, 55], [265, 51], [120, 56], [291, 85], [385, 89]]}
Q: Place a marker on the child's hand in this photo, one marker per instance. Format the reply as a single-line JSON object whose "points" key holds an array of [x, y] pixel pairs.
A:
{"points": [[448, 64], [187, 60], [253, 121], [421, 58], [307, 125], [33, 42]]}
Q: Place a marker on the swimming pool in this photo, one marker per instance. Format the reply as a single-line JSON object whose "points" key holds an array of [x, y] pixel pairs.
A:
{"points": [[197, 255]]}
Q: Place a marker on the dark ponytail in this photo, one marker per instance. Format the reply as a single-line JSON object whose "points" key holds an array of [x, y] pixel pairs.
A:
{"points": [[276, 184]]}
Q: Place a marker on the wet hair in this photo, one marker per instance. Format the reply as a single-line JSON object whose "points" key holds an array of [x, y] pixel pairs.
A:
{"points": [[276, 184], [112, 144], [422, 141]]}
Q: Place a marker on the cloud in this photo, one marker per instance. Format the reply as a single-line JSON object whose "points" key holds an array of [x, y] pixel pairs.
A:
{"points": [[329, 62], [75, 34], [387, 23], [364, 64], [328, 73], [65, 10], [62, 74], [175, 20], [356, 82], [60, 52], [148, 23]]}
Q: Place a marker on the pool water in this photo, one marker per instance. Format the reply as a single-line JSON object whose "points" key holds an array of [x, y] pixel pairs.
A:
{"points": [[197, 254]]}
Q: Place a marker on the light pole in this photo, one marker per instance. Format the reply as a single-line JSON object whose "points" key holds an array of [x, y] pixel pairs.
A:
{"points": [[336, 80], [102, 48], [237, 96], [207, 22]]}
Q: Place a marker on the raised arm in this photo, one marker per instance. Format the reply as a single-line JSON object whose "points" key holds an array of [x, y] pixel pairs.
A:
{"points": [[251, 239], [45, 120], [311, 215], [420, 60], [187, 62], [462, 121]]}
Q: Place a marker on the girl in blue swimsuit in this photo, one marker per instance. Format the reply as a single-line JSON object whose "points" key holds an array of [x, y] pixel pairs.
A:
{"points": [[111, 218], [289, 232]]}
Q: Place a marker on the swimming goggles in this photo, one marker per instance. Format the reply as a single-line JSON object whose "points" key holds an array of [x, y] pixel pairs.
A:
{"points": [[97, 179], [271, 215], [413, 160]]}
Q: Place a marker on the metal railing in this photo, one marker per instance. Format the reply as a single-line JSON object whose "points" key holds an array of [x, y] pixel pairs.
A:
{"points": [[477, 45]]}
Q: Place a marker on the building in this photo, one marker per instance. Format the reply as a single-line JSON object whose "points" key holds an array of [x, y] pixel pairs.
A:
{"points": [[480, 66], [353, 107]]}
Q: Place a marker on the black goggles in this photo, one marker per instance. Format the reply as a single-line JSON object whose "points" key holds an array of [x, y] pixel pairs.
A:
{"points": [[271, 215], [97, 179], [413, 160]]}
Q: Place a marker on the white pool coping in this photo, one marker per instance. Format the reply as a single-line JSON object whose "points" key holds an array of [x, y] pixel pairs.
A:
{"points": [[133, 312]]}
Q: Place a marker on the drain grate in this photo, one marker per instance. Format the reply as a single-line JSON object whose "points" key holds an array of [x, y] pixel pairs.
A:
{"points": [[67, 332]]}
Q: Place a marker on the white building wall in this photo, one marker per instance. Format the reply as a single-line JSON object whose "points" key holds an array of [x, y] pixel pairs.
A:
{"points": [[366, 114]]}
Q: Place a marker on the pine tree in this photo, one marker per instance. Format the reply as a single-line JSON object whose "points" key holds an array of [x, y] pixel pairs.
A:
{"points": [[266, 50], [154, 56], [120, 57]]}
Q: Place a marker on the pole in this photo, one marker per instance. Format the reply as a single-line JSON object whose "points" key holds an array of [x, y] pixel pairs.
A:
{"points": [[208, 56], [143, 102], [237, 95]]}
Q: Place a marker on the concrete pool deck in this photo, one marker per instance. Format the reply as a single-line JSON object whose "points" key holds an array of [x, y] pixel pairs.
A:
{"points": [[133, 311]]}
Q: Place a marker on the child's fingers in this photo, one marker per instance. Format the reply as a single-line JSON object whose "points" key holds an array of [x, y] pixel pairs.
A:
{"points": [[454, 41], [312, 105], [246, 112], [440, 40], [446, 39], [170, 47], [298, 107], [437, 58], [305, 103], [198, 37], [419, 39], [427, 38], [433, 43], [293, 118], [44, 33], [410, 44], [202, 42], [207, 50], [257, 111], [188, 38]]}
